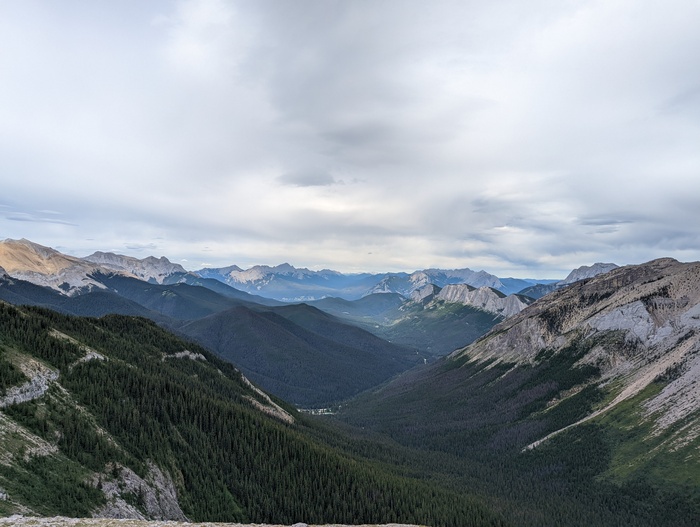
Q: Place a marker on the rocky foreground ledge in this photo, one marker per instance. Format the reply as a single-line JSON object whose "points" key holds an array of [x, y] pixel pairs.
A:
{"points": [[33, 521]]}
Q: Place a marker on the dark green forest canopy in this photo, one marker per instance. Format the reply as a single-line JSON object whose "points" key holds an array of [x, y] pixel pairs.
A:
{"points": [[194, 419]]}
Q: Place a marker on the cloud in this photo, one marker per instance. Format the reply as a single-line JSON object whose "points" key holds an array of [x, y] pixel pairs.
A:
{"points": [[38, 217], [508, 136], [311, 178], [139, 247]]}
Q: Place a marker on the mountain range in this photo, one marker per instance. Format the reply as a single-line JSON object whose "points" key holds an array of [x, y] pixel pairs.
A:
{"points": [[289, 284], [282, 355], [580, 407], [429, 303]]}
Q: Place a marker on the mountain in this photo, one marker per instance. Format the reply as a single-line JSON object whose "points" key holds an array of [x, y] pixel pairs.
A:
{"points": [[150, 269], [295, 352], [300, 353], [582, 273], [585, 272], [425, 293], [425, 323], [47, 267], [636, 325], [405, 284], [289, 284], [485, 298], [69, 275], [177, 301], [115, 417], [434, 320], [221, 288], [585, 406]]}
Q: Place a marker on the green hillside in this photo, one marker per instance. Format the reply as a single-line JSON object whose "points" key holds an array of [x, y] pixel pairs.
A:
{"points": [[474, 421], [297, 352], [300, 353], [435, 329], [123, 414]]}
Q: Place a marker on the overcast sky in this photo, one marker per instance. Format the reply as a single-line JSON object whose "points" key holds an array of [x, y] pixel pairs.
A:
{"points": [[523, 138]]}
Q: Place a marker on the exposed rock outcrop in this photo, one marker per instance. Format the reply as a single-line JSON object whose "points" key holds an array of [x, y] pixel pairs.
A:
{"points": [[643, 323], [425, 293], [149, 269], [586, 271], [47, 267], [26, 521], [484, 298], [40, 378], [155, 494]]}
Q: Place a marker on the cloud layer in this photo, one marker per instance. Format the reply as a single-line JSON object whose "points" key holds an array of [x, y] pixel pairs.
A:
{"points": [[522, 138]]}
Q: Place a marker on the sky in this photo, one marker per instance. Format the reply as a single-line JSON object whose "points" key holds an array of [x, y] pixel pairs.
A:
{"points": [[523, 138]]}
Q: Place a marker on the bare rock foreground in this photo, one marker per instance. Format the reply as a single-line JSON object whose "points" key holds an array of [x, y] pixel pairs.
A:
{"points": [[28, 521]]}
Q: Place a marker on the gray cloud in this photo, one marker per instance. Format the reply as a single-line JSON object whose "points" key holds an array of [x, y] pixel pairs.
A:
{"points": [[38, 217], [139, 247], [309, 178], [522, 138]]}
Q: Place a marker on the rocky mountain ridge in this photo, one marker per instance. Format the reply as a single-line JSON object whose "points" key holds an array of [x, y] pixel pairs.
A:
{"points": [[47, 267], [71, 275], [584, 406], [485, 298], [580, 273], [642, 323], [586, 271], [149, 269]]}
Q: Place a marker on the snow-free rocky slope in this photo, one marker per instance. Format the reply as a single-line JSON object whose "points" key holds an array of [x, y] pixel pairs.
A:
{"points": [[581, 273], [26, 260], [655, 311], [150, 269], [290, 284], [47, 267]]}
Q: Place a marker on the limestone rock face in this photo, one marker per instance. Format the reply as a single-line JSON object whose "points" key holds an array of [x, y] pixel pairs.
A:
{"points": [[484, 298], [156, 493], [26, 260], [425, 293], [586, 271], [643, 323], [149, 269], [47, 267]]}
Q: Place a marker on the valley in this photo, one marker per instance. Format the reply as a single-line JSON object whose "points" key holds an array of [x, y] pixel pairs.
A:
{"points": [[452, 403]]}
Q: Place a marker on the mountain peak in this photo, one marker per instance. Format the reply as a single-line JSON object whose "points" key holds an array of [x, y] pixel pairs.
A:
{"points": [[22, 256], [586, 271], [485, 298], [285, 268], [150, 269]]}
